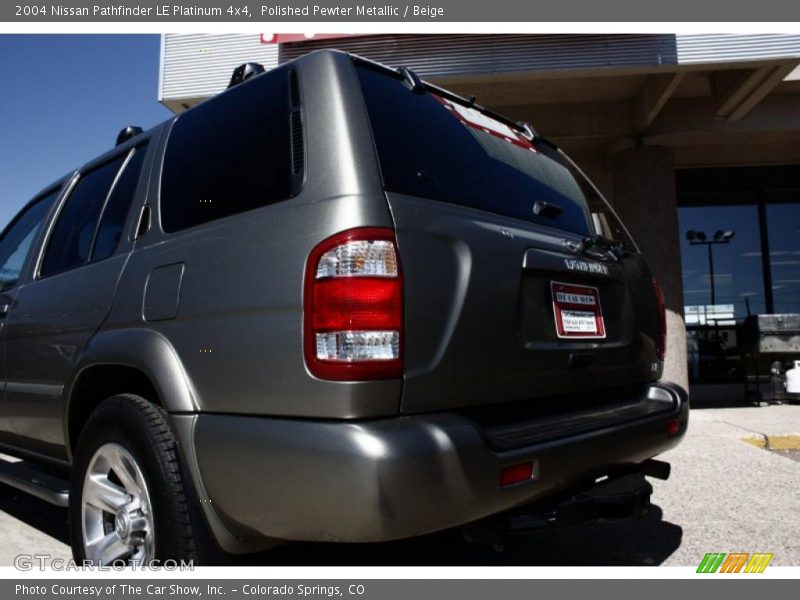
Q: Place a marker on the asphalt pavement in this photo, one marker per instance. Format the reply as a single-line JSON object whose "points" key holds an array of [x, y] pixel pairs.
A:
{"points": [[729, 492]]}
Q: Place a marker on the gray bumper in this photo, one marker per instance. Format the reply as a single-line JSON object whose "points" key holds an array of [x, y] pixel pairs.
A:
{"points": [[389, 479]]}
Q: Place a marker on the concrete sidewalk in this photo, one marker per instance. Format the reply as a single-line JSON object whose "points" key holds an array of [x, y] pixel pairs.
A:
{"points": [[728, 495]]}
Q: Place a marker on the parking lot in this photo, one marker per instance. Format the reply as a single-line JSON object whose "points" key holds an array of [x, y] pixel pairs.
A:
{"points": [[725, 495]]}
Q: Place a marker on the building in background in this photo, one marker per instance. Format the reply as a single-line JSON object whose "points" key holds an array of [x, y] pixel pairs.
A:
{"points": [[695, 139]]}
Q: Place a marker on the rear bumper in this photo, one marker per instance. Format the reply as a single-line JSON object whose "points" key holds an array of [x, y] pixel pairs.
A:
{"points": [[394, 478]]}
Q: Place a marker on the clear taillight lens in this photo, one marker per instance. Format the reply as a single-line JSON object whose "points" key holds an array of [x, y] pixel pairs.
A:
{"points": [[363, 258], [354, 307], [354, 346]]}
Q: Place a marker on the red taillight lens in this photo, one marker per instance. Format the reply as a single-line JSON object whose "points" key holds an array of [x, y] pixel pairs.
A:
{"points": [[354, 307], [662, 320]]}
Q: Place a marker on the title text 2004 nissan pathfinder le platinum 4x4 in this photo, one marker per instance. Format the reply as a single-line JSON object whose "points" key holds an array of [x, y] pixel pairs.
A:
{"points": [[332, 303]]}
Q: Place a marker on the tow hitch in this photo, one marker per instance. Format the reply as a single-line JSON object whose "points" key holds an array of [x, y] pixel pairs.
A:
{"points": [[622, 496]]}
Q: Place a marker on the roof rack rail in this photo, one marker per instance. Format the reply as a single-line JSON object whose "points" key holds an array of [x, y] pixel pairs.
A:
{"points": [[126, 133], [245, 72]]}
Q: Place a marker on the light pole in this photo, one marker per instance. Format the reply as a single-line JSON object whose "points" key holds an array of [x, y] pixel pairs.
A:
{"points": [[699, 238]]}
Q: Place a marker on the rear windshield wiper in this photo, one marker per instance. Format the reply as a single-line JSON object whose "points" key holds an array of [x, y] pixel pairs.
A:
{"points": [[601, 247], [412, 80]]}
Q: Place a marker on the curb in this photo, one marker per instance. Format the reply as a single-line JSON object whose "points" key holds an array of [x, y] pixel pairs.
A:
{"points": [[774, 442]]}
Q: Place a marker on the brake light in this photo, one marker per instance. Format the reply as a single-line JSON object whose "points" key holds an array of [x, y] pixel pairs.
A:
{"points": [[661, 348], [353, 301]]}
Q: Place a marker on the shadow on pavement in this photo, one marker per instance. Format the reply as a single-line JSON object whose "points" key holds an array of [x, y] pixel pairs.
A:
{"points": [[36, 513], [703, 404], [643, 542]]}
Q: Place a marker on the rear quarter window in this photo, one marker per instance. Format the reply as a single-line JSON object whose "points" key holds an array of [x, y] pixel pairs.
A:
{"points": [[115, 213], [229, 155]]}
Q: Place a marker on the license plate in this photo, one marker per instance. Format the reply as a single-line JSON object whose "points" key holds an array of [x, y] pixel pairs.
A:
{"points": [[577, 311]]}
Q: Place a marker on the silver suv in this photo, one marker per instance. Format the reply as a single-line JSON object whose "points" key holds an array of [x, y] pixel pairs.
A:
{"points": [[333, 303]]}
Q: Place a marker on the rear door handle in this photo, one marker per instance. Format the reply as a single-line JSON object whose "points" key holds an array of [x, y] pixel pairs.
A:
{"points": [[4, 310]]}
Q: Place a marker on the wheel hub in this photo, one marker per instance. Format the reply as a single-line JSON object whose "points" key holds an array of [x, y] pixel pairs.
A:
{"points": [[122, 525]]}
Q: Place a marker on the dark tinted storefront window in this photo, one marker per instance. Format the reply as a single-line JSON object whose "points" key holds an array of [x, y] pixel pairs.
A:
{"points": [[783, 224], [756, 268], [738, 287], [738, 277]]}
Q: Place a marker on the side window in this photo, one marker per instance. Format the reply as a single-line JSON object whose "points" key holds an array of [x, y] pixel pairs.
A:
{"points": [[109, 232], [229, 155], [16, 240], [71, 239]]}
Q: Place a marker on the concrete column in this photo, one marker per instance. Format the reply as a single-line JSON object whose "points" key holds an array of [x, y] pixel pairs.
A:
{"points": [[644, 197]]}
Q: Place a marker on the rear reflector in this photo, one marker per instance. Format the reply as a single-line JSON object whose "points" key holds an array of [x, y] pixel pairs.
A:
{"points": [[672, 427], [354, 307], [662, 320], [516, 474]]}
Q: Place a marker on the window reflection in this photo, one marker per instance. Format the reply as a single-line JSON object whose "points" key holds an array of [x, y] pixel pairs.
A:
{"points": [[783, 225], [738, 280], [713, 306]]}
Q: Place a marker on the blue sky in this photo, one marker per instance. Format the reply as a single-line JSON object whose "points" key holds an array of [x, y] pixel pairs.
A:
{"points": [[63, 99]]}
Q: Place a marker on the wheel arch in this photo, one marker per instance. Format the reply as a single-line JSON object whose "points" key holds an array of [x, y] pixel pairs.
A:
{"points": [[137, 361]]}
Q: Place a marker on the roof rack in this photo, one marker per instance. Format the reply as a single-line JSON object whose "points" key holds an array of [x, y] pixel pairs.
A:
{"points": [[126, 133], [245, 72]]}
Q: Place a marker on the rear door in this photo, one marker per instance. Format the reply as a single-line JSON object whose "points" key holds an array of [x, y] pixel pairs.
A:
{"points": [[16, 244], [519, 280], [75, 277]]}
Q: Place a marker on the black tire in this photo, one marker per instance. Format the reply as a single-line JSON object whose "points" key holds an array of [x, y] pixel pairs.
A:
{"points": [[142, 429]]}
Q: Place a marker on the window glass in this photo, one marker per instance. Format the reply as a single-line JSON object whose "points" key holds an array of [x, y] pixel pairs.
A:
{"points": [[116, 210], [716, 305], [431, 147], [783, 225], [228, 155], [737, 287], [17, 239], [72, 236]]}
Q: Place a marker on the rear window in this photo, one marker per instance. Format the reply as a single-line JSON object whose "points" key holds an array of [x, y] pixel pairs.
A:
{"points": [[228, 155], [435, 148]]}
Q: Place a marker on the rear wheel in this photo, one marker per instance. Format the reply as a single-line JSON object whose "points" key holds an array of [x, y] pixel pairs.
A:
{"points": [[128, 504]]}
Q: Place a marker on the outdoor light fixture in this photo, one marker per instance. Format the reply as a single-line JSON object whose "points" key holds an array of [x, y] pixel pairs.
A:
{"points": [[699, 238], [723, 236]]}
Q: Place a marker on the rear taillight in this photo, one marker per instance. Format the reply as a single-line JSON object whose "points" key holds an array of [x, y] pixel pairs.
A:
{"points": [[354, 307], [662, 320]]}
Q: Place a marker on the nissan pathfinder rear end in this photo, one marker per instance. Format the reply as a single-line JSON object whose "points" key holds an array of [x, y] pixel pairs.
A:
{"points": [[332, 303]]}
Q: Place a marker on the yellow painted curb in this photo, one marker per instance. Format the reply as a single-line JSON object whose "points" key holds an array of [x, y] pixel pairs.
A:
{"points": [[773, 442], [783, 442], [759, 441]]}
